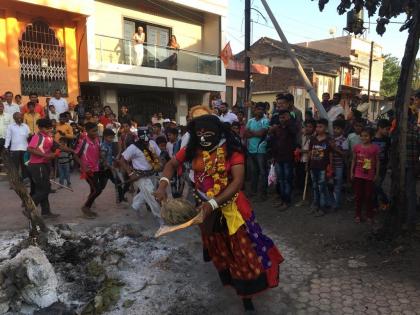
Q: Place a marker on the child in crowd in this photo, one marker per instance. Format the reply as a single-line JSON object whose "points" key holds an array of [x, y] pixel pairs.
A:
{"points": [[87, 155], [320, 156], [354, 137], [364, 169], [172, 136], [64, 161], [95, 120], [236, 129], [164, 154], [382, 140], [127, 137], [106, 164], [52, 114], [114, 125], [339, 146], [301, 166]]}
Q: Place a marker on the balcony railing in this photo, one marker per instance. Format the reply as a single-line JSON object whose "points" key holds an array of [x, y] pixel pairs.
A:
{"points": [[112, 50]]}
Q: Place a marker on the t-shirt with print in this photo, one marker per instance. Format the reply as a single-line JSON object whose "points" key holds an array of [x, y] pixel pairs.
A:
{"points": [[257, 144], [365, 159], [384, 144], [319, 153], [342, 144], [44, 143], [64, 158], [89, 151], [106, 156]]}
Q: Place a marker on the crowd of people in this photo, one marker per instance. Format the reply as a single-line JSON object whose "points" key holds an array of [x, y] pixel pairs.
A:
{"points": [[284, 147], [351, 155]]}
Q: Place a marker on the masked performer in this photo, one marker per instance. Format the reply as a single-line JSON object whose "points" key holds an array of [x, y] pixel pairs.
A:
{"points": [[244, 257], [140, 160]]}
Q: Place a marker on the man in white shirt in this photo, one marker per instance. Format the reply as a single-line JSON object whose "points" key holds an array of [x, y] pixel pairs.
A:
{"points": [[10, 107], [59, 103], [336, 108], [5, 120], [225, 115], [363, 107], [17, 142], [143, 169]]}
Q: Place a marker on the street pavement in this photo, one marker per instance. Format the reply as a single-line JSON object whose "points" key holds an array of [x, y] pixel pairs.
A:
{"points": [[332, 265]]}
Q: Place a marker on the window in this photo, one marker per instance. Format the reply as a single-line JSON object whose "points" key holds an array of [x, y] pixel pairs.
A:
{"points": [[229, 95], [42, 61], [157, 38]]}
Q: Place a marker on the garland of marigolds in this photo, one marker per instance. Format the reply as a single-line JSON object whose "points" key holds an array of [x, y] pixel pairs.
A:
{"points": [[216, 170], [153, 162]]}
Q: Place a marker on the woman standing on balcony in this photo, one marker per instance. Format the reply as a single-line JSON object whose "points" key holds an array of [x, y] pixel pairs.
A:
{"points": [[138, 41], [173, 58]]}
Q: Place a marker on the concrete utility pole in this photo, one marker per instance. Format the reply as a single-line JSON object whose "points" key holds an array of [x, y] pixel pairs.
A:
{"points": [[370, 73], [247, 48], [296, 63]]}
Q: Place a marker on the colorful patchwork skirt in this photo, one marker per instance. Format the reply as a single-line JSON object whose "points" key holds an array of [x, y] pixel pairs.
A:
{"points": [[246, 260]]}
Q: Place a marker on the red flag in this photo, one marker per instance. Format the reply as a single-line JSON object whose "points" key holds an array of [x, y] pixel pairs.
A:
{"points": [[226, 54]]}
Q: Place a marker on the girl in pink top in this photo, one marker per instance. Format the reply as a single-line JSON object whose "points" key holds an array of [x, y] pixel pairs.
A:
{"points": [[364, 169]]}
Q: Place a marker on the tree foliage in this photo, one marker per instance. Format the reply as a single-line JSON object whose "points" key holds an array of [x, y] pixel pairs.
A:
{"points": [[391, 74], [386, 9]]}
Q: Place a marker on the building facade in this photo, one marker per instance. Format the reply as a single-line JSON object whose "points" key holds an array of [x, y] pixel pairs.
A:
{"points": [[358, 50], [326, 71], [166, 80], [85, 47], [40, 45], [235, 81]]}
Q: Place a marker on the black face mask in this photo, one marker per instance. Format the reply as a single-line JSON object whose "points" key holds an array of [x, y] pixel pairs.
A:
{"points": [[208, 135]]}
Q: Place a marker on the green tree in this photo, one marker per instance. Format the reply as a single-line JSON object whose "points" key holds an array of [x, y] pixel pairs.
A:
{"points": [[386, 10], [391, 74]]}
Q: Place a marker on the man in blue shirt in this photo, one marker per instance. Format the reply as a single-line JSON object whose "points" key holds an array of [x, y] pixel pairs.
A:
{"points": [[256, 133]]}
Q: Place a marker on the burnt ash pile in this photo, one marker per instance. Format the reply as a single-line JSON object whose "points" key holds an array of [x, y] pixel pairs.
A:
{"points": [[77, 272]]}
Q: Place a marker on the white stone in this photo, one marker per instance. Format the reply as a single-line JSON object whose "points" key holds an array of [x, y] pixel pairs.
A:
{"points": [[40, 287]]}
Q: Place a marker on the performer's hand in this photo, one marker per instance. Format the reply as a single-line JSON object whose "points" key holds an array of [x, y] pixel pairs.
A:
{"points": [[206, 209], [160, 195]]}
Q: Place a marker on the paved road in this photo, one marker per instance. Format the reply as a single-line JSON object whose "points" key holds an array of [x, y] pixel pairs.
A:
{"points": [[332, 266]]}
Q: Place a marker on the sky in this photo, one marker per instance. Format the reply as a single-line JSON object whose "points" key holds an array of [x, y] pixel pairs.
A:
{"points": [[302, 21]]}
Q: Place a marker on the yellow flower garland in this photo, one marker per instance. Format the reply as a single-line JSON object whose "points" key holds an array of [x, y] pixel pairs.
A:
{"points": [[216, 170], [155, 163]]}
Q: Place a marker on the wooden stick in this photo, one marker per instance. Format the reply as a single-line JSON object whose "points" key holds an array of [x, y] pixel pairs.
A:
{"points": [[59, 185], [166, 229], [306, 186]]}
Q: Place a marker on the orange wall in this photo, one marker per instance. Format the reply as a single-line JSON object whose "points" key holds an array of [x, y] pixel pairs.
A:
{"points": [[13, 23]]}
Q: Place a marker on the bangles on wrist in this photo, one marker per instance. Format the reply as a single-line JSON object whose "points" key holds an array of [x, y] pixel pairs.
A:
{"points": [[213, 203], [164, 179]]}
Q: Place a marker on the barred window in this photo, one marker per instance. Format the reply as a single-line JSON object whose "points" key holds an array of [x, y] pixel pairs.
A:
{"points": [[42, 61]]}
